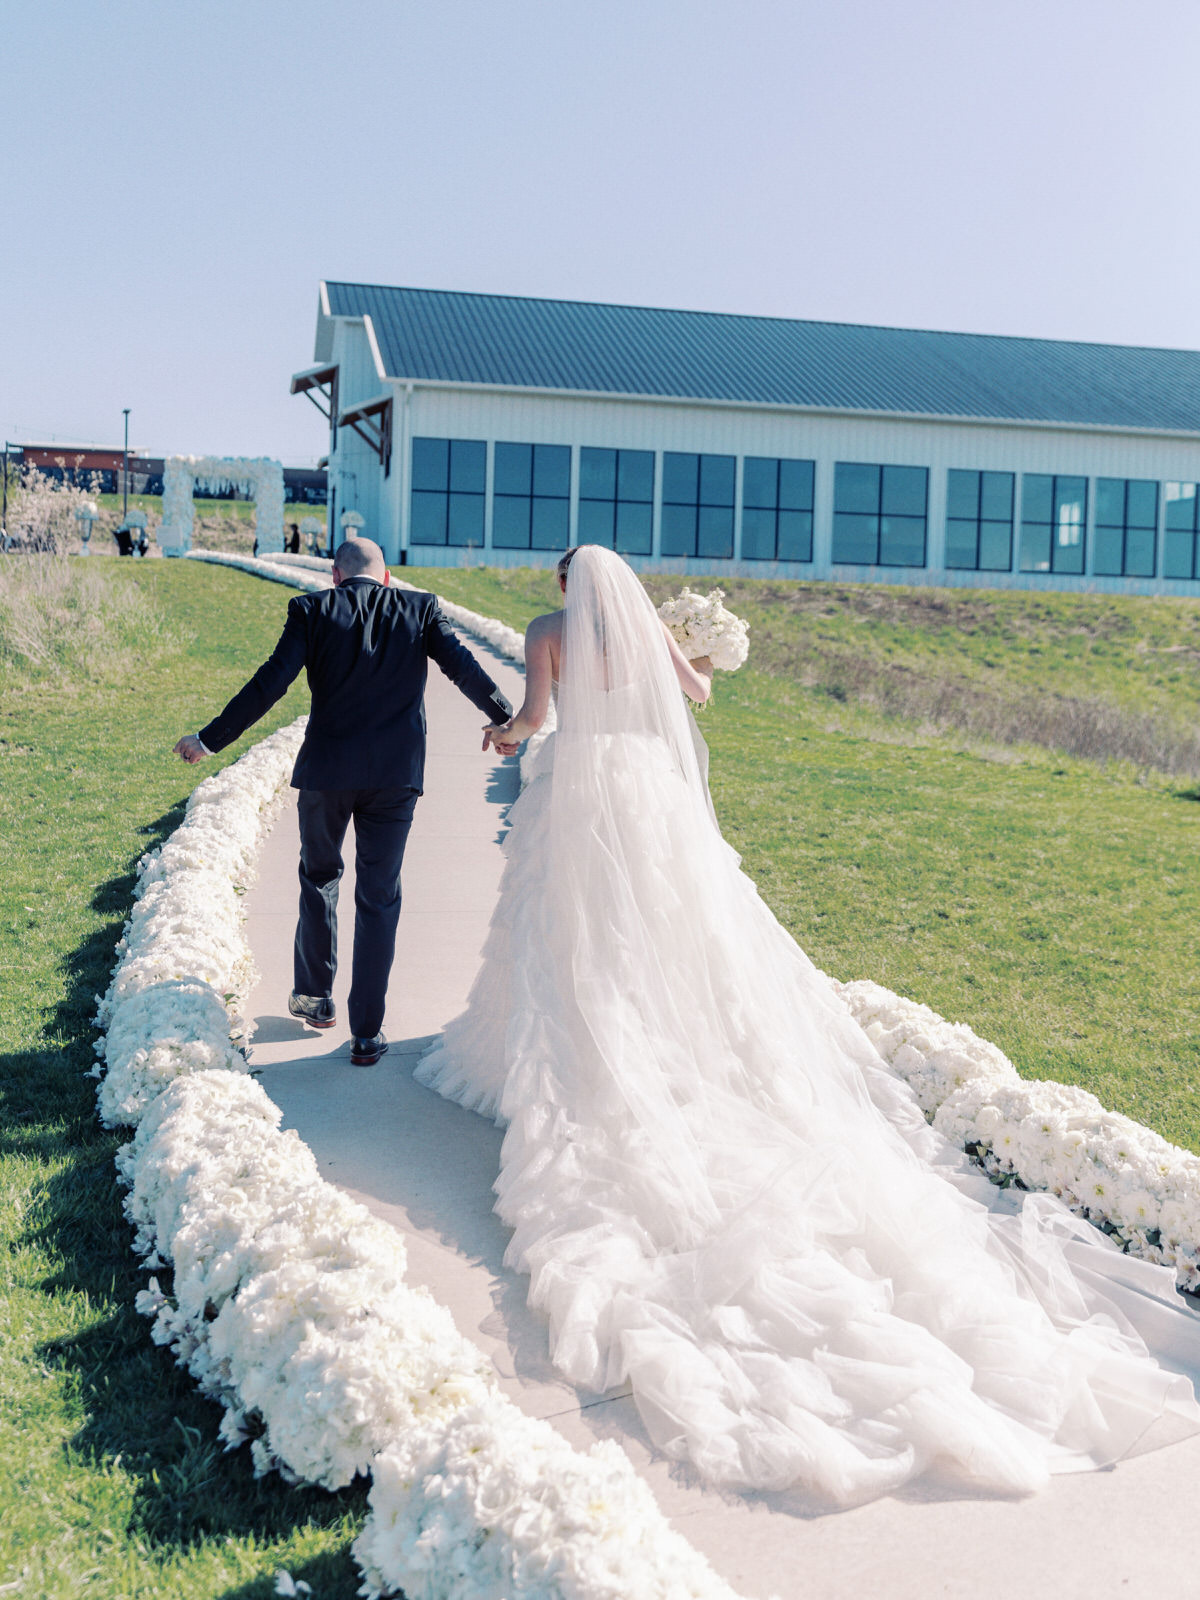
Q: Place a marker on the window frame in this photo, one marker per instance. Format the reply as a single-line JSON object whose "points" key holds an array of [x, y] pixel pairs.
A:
{"points": [[880, 515], [705, 500], [451, 497], [1052, 571], [617, 501], [978, 519], [777, 508], [1125, 527], [1170, 535], [531, 500]]}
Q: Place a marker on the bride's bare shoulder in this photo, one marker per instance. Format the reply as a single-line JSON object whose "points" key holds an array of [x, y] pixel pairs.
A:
{"points": [[547, 626]]}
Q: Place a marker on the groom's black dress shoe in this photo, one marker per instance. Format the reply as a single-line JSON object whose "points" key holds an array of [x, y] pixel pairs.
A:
{"points": [[315, 1009], [366, 1052]]}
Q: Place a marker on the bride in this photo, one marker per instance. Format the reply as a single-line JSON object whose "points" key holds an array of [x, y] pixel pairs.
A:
{"points": [[720, 1195]]}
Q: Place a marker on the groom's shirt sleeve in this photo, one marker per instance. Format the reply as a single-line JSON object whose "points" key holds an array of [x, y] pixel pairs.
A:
{"points": [[460, 666], [269, 683]]}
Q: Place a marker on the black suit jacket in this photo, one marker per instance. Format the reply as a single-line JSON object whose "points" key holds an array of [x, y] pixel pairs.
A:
{"points": [[366, 648]]}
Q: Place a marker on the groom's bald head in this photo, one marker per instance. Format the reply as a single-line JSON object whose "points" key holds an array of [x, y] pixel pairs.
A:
{"points": [[359, 557]]}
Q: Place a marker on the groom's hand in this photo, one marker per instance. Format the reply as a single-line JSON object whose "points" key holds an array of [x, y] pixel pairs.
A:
{"points": [[190, 749]]}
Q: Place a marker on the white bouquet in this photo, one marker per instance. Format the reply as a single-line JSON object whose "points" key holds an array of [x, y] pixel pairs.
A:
{"points": [[701, 626]]}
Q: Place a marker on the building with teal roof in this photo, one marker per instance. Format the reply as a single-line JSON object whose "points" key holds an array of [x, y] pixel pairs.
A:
{"points": [[470, 428]]}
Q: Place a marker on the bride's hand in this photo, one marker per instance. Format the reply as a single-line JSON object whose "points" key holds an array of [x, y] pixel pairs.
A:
{"points": [[494, 734]]}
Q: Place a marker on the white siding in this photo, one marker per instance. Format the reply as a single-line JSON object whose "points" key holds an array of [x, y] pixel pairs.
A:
{"points": [[740, 431]]}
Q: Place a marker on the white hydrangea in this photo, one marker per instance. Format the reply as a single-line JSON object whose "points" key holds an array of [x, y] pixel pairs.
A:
{"points": [[489, 1504], [176, 996], [159, 1033], [933, 1056], [288, 558], [701, 625], [338, 1358]]}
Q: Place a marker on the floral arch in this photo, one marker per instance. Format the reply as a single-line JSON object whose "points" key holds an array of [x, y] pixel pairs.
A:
{"points": [[250, 475]]}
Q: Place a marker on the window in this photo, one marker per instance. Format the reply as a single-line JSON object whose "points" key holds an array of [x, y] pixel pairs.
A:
{"points": [[777, 509], [979, 520], [1126, 530], [1179, 539], [879, 514], [531, 497], [1053, 519], [616, 499], [697, 512], [449, 479]]}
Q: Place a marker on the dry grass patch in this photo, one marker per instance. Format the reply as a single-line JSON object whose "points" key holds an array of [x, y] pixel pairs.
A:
{"points": [[72, 621]]}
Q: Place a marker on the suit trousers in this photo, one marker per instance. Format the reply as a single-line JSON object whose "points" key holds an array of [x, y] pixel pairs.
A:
{"points": [[382, 818]]}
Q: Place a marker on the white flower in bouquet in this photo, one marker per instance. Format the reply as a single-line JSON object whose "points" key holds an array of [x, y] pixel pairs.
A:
{"points": [[701, 626]]}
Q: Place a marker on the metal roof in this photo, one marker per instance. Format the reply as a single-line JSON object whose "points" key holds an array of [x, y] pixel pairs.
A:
{"points": [[437, 335]]}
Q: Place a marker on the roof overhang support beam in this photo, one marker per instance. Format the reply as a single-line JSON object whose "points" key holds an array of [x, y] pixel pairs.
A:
{"points": [[372, 421], [320, 384]]}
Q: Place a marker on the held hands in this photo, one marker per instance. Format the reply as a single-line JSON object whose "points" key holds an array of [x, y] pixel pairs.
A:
{"points": [[190, 749], [501, 738]]}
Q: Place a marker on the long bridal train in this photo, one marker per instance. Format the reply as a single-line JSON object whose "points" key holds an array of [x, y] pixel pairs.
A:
{"points": [[719, 1193]]}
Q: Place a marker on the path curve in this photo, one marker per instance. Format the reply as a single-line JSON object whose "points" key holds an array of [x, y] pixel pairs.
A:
{"points": [[427, 1167]]}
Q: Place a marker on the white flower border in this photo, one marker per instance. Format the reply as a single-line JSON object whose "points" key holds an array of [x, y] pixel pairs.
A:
{"points": [[259, 567], [289, 558]]}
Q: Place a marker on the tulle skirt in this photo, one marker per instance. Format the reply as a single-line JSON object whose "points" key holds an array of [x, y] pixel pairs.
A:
{"points": [[723, 1199]]}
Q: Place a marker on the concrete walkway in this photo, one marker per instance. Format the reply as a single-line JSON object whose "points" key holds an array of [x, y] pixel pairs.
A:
{"points": [[427, 1167]]}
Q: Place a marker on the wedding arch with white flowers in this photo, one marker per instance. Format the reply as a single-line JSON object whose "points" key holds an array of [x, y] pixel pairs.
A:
{"points": [[248, 475]]}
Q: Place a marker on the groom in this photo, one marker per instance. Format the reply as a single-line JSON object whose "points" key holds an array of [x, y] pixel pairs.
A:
{"points": [[367, 648]]}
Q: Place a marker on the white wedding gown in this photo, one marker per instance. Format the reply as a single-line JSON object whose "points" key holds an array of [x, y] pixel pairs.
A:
{"points": [[721, 1196]]}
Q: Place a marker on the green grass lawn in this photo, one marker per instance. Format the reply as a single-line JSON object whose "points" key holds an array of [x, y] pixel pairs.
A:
{"points": [[1050, 901], [112, 1482]]}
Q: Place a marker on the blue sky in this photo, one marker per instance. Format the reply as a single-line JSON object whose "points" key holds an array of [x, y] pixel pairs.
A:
{"points": [[179, 178]]}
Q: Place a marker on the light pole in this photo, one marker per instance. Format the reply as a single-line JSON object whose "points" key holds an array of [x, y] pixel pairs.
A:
{"points": [[4, 513], [125, 471]]}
